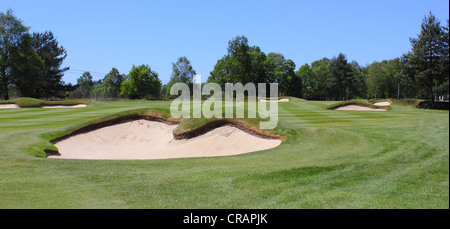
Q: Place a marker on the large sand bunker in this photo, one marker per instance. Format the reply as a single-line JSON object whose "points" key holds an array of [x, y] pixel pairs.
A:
{"points": [[144, 139], [353, 107]]}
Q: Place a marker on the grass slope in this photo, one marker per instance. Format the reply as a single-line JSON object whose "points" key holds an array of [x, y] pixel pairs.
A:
{"points": [[347, 159], [32, 102]]}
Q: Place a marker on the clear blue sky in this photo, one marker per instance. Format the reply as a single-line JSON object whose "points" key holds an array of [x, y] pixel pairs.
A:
{"points": [[99, 35]]}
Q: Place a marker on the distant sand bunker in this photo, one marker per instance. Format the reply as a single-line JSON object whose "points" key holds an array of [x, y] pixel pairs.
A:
{"points": [[280, 100], [358, 108], [65, 106], [143, 139], [382, 103], [7, 106]]}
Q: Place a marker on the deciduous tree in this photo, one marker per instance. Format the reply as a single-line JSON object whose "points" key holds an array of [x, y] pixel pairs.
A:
{"points": [[11, 32]]}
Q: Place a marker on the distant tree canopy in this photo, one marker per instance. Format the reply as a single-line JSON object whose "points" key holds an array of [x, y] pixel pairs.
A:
{"points": [[245, 64], [142, 83], [53, 55], [182, 72], [31, 64], [340, 78], [112, 83], [383, 79], [11, 32], [314, 79], [85, 84], [426, 66], [27, 68]]}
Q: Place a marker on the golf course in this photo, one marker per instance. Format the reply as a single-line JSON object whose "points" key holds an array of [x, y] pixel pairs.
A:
{"points": [[224, 112], [327, 159]]}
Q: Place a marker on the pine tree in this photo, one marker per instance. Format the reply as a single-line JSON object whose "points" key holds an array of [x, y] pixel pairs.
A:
{"points": [[427, 63]]}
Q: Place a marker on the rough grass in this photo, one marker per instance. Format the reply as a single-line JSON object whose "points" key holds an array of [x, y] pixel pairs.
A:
{"points": [[395, 159]]}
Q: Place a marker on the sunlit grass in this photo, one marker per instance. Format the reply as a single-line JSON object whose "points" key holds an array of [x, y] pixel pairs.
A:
{"points": [[330, 159]]}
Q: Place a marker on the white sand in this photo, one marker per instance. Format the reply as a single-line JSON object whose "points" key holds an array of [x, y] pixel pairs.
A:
{"points": [[65, 106], [142, 139], [7, 106], [280, 100], [358, 108], [382, 103]]}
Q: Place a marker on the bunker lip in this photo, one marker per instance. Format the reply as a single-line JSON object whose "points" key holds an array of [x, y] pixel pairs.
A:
{"points": [[219, 123], [111, 122], [185, 135]]}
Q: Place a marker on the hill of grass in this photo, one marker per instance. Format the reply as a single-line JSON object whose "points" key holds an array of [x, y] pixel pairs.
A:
{"points": [[26, 102]]}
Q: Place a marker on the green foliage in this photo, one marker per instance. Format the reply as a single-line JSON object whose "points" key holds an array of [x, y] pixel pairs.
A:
{"points": [[318, 89], [182, 72], [288, 82], [341, 78], [426, 66], [53, 55], [98, 91], [383, 79], [142, 82], [245, 64], [112, 83], [27, 68], [85, 84], [236, 66], [359, 87], [11, 32], [222, 72], [238, 50], [30, 63]]}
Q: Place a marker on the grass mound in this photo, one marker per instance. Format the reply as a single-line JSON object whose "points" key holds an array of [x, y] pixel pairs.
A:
{"points": [[26, 102]]}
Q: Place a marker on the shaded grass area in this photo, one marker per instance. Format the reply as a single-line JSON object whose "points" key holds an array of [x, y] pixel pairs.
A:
{"points": [[347, 159]]}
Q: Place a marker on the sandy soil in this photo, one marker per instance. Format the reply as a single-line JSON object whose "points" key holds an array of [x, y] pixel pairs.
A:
{"points": [[65, 106], [6, 106], [142, 139], [382, 103], [358, 108], [280, 100]]}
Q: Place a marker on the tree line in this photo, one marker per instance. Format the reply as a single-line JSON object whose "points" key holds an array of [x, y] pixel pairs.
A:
{"points": [[30, 65], [423, 72]]}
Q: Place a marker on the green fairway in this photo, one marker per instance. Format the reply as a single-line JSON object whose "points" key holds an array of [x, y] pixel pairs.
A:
{"points": [[330, 159]]}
